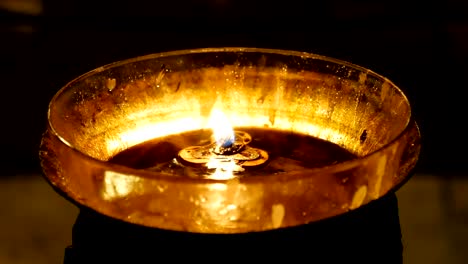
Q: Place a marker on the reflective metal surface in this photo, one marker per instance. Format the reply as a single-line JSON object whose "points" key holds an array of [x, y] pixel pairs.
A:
{"points": [[120, 105]]}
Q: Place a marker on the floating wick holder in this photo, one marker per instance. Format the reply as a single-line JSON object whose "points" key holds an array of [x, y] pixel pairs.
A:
{"points": [[238, 152]]}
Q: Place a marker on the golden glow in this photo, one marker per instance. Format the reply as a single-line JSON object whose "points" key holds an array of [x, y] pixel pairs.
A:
{"points": [[145, 132]]}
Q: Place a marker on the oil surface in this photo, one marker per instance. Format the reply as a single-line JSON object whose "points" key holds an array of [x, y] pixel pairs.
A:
{"points": [[287, 152]]}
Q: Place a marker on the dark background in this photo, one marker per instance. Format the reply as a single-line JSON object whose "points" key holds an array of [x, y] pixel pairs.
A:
{"points": [[422, 47]]}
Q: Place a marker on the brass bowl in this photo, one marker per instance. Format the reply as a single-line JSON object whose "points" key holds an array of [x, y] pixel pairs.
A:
{"points": [[109, 109]]}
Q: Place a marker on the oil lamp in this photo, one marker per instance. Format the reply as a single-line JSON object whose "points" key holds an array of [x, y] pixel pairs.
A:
{"points": [[231, 144]]}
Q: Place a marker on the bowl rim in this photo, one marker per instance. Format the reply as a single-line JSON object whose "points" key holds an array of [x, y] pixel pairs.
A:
{"points": [[125, 170]]}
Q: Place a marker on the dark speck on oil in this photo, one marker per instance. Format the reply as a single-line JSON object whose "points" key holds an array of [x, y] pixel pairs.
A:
{"points": [[363, 136], [287, 152]]}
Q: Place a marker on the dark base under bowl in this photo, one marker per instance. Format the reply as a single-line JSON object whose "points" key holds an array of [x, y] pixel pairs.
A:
{"points": [[370, 234]]}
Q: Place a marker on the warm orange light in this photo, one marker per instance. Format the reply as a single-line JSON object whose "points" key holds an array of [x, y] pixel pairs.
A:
{"points": [[222, 129], [224, 136]]}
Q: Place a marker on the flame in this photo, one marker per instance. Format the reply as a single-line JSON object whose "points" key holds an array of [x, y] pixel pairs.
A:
{"points": [[222, 129], [224, 136]]}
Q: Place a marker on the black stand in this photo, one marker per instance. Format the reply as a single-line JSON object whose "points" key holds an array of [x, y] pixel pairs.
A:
{"points": [[370, 234]]}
